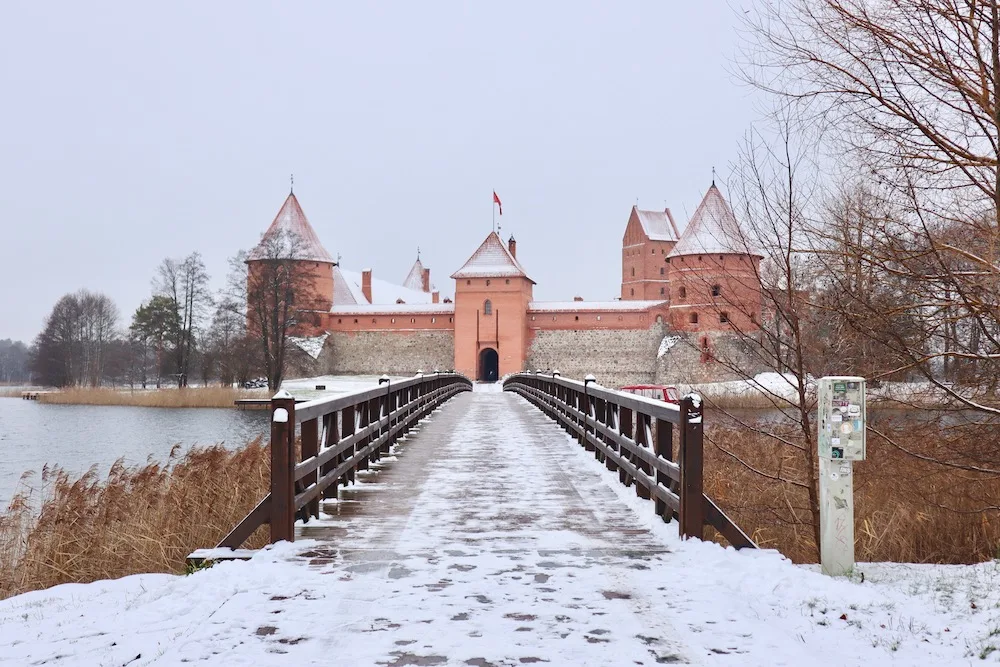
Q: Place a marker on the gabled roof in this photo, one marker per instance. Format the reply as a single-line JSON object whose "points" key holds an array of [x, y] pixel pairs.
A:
{"points": [[491, 260], [291, 221], [415, 278], [713, 230], [658, 225], [347, 291]]}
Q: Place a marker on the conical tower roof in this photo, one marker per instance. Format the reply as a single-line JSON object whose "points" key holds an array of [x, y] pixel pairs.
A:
{"points": [[415, 278], [713, 230], [491, 260], [291, 221]]}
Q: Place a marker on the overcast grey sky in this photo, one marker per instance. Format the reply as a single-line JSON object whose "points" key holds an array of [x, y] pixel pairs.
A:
{"points": [[130, 133]]}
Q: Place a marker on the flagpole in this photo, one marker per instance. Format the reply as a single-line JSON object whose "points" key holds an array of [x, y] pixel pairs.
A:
{"points": [[493, 209]]}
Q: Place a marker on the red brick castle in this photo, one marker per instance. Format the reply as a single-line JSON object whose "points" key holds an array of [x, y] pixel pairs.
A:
{"points": [[700, 286]]}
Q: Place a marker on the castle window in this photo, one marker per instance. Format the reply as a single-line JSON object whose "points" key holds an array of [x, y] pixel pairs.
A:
{"points": [[659, 319], [682, 293], [434, 320], [661, 291], [468, 282], [507, 282], [653, 251], [693, 318], [576, 318], [753, 317], [700, 258], [487, 283], [392, 321], [724, 318], [667, 260], [598, 318], [451, 319], [631, 292], [413, 320], [355, 320], [340, 321], [374, 321], [716, 290], [487, 307], [532, 318], [661, 270], [633, 272]]}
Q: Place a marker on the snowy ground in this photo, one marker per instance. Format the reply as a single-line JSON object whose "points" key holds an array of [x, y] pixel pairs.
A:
{"points": [[335, 384], [489, 538]]}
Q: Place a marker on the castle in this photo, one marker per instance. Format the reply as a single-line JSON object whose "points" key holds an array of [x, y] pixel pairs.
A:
{"points": [[683, 295]]}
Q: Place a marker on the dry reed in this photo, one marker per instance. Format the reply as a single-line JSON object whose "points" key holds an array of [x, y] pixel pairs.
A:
{"points": [[907, 509], [145, 519], [191, 397]]}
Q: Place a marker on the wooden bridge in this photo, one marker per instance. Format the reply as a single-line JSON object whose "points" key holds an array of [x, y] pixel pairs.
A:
{"points": [[477, 506]]}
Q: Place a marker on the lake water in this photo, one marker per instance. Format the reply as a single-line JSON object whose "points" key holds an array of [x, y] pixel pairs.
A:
{"points": [[76, 437]]}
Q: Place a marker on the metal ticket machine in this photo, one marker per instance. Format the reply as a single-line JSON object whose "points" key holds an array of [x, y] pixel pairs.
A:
{"points": [[841, 442]]}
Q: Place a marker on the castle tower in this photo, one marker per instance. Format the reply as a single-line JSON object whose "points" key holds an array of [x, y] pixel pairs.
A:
{"points": [[649, 238], [714, 272], [290, 236], [492, 293]]}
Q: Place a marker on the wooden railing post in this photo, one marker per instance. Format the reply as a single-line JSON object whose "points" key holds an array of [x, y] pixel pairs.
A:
{"points": [[310, 448], [665, 450], [692, 511], [282, 467]]}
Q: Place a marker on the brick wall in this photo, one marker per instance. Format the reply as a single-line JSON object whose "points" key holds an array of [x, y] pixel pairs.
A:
{"points": [[615, 358]]}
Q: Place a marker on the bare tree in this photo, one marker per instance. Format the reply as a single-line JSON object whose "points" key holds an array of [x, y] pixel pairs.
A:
{"points": [[73, 346], [271, 288], [910, 90], [185, 283]]}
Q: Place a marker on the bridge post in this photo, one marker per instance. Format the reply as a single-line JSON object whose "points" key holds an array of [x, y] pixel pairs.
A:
{"points": [[310, 448], [692, 511], [665, 450], [282, 467]]}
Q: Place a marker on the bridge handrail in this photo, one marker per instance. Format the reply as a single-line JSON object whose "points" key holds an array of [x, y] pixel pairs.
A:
{"points": [[338, 436], [634, 436]]}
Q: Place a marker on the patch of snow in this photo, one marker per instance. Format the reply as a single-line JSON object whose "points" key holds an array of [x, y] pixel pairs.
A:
{"points": [[311, 345], [666, 344], [395, 309]]}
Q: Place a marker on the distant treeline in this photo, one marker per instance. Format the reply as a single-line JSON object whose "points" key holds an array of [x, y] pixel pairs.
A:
{"points": [[182, 333]]}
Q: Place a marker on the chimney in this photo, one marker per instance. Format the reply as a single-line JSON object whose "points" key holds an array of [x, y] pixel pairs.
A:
{"points": [[512, 246], [425, 280], [577, 298], [366, 284], [435, 296]]}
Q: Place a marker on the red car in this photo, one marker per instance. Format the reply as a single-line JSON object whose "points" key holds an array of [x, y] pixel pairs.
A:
{"points": [[661, 392]]}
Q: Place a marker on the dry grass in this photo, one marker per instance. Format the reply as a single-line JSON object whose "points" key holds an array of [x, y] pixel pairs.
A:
{"points": [[198, 397], [144, 519], [906, 509], [11, 393]]}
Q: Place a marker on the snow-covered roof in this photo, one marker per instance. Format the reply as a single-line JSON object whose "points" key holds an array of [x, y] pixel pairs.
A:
{"points": [[491, 260], [589, 306], [415, 278], [658, 225], [347, 291], [396, 309], [293, 222], [713, 230]]}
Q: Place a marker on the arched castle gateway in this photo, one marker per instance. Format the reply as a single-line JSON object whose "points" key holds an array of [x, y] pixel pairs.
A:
{"points": [[683, 296]]}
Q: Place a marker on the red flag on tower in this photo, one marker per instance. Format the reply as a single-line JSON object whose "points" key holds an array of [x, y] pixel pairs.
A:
{"points": [[496, 200]]}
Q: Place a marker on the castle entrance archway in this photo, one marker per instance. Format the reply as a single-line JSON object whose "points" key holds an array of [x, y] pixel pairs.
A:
{"points": [[489, 365]]}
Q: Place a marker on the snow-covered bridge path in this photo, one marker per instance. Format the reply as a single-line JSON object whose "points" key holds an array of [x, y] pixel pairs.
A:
{"points": [[490, 538]]}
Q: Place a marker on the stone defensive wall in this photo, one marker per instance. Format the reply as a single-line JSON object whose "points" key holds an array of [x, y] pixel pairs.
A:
{"points": [[616, 357], [392, 352]]}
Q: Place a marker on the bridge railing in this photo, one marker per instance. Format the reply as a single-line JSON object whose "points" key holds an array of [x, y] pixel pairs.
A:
{"points": [[634, 436], [338, 437]]}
